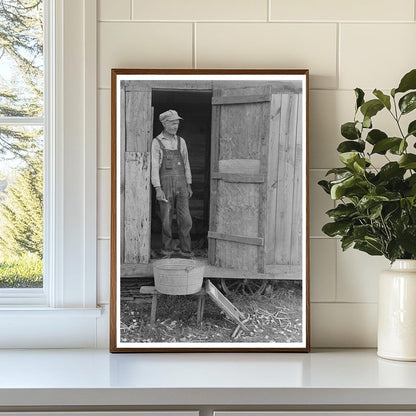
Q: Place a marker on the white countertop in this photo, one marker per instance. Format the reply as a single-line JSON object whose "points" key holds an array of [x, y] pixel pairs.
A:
{"points": [[96, 377]]}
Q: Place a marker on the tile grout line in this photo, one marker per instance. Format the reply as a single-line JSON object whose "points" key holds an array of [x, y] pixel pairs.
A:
{"points": [[194, 61], [307, 22], [131, 9], [269, 11]]}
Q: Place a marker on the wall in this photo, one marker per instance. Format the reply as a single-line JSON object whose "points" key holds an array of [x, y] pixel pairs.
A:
{"points": [[345, 44]]}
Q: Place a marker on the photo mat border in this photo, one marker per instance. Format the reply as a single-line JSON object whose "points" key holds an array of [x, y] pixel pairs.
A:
{"points": [[167, 74]]}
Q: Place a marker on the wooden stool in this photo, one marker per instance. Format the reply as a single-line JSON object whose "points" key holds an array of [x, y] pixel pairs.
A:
{"points": [[151, 290]]}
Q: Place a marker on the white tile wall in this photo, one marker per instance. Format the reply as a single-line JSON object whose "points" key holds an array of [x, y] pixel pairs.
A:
{"points": [[376, 55], [345, 44], [270, 45], [323, 269], [200, 10], [104, 128], [114, 10], [357, 275], [103, 270], [339, 325], [369, 10], [142, 45], [104, 202]]}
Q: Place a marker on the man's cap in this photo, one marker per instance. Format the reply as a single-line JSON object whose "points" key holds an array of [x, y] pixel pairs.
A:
{"points": [[169, 115]]}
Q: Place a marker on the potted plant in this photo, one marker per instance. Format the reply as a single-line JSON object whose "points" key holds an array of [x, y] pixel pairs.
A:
{"points": [[376, 209]]}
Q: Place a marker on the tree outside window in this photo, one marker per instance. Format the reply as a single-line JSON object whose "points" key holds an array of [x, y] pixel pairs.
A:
{"points": [[21, 143]]}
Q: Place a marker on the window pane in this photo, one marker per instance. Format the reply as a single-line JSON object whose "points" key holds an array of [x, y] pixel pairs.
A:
{"points": [[21, 207], [21, 58]]}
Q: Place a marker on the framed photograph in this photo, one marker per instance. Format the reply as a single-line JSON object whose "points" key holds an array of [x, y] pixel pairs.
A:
{"points": [[209, 211]]}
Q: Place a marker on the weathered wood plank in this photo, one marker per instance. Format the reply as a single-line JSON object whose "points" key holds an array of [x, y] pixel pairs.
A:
{"points": [[275, 87], [263, 214], [238, 178], [241, 131], [215, 272], [245, 89], [246, 166], [238, 99], [285, 181], [236, 256], [223, 303], [136, 270], [137, 213], [236, 238], [297, 217], [275, 116], [237, 208], [215, 143], [272, 272], [138, 121], [166, 85], [290, 272]]}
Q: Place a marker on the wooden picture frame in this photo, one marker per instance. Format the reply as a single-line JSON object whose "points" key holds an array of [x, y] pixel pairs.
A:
{"points": [[246, 137]]}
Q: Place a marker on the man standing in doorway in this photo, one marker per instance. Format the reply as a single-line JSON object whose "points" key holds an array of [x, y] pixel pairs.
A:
{"points": [[171, 178]]}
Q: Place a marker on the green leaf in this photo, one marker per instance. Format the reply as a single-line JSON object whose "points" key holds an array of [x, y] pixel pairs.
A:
{"points": [[393, 250], [383, 145], [325, 186], [349, 146], [399, 148], [411, 130], [408, 161], [338, 171], [369, 201], [375, 135], [408, 82], [361, 231], [402, 147], [346, 242], [348, 158], [375, 212], [359, 94], [333, 229], [385, 99], [349, 131], [367, 122], [338, 190], [342, 211], [391, 170], [359, 166], [371, 108], [368, 248], [408, 102], [408, 240]]}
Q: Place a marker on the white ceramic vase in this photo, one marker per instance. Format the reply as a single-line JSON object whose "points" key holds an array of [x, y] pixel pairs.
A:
{"points": [[397, 312]]}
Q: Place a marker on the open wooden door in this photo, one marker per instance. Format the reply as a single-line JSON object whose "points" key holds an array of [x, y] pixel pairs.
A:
{"points": [[238, 211], [135, 142]]}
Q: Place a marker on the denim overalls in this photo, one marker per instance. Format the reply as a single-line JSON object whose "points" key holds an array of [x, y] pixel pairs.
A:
{"points": [[173, 184]]}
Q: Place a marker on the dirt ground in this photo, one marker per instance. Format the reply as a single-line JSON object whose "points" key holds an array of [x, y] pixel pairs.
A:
{"points": [[274, 316]]}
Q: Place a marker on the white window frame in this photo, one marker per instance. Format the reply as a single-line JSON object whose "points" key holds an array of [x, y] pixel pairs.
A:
{"points": [[64, 313]]}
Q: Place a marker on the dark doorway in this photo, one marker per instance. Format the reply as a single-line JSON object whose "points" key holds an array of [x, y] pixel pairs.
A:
{"points": [[195, 108]]}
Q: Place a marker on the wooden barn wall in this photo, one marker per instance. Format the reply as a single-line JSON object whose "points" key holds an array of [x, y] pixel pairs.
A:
{"points": [[284, 231], [242, 128], [135, 132]]}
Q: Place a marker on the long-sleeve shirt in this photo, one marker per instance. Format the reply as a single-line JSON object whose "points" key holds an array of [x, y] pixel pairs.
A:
{"points": [[157, 157]]}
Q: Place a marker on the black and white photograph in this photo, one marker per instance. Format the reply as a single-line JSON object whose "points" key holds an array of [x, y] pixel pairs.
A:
{"points": [[209, 215]]}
